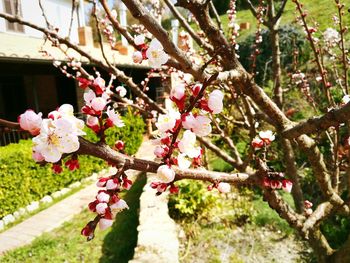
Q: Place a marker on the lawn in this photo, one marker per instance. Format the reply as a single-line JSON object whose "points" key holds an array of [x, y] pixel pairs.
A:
{"points": [[65, 244]]}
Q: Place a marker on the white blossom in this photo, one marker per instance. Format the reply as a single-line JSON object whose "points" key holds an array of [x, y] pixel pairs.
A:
{"points": [[187, 145], [115, 118], [156, 55], [139, 40], [121, 91], [182, 162], [331, 36], [55, 138], [215, 101]]}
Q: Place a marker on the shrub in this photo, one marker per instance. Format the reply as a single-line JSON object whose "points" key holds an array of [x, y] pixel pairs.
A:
{"points": [[291, 39], [195, 202], [23, 181], [131, 134]]}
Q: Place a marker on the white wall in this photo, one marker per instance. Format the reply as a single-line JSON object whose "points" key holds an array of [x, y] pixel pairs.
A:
{"points": [[58, 13]]}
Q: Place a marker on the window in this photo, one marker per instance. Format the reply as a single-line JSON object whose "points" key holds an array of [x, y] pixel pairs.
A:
{"points": [[13, 7]]}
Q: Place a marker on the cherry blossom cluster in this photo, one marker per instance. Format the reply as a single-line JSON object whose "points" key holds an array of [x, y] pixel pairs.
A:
{"points": [[196, 123], [264, 139], [276, 181], [107, 202], [234, 27], [55, 135], [301, 81], [154, 53], [108, 29], [96, 97], [258, 38]]}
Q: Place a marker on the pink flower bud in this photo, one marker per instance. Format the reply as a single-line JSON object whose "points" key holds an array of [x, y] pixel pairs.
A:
{"points": [[91, 121], [102, 181], [112, 184], [72, 164], [119, 145], [119, 205], [165, 174], [224, 187], [308, 204], [30, 121], [257, 143], [101, 208], [37, 157], [159, 151], [57, 168], [137, 57], [162, 188], [196, 89], [103, 197], [287, 186]]}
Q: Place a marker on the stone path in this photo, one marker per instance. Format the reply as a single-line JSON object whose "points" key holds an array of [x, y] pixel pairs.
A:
{"points": [[51, 218]]}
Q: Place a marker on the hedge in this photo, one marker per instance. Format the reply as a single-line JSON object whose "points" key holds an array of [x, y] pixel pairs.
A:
{"points": [[23, 181], [131, 134]]}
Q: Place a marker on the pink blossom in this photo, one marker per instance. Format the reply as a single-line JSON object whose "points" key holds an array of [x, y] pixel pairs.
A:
{"points": [[224, 187], [98, 103], [215, 101], [30, 121], [200, 124], [165, 174]]}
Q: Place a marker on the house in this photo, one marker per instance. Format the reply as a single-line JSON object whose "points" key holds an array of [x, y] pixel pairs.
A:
{"points": [[27, 77]]}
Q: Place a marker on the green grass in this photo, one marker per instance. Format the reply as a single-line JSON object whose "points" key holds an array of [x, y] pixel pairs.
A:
{"points": [[265, 216], [320, 11], [65, 244]]}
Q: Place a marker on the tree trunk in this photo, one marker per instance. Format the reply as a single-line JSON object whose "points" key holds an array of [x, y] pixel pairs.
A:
{"points": [[276, 66]]}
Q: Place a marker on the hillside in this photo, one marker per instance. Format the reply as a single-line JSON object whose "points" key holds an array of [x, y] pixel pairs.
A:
{"points": [[320, 11]]}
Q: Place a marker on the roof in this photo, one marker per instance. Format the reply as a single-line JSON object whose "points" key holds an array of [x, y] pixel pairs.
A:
{"points": [[16, 47]]}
